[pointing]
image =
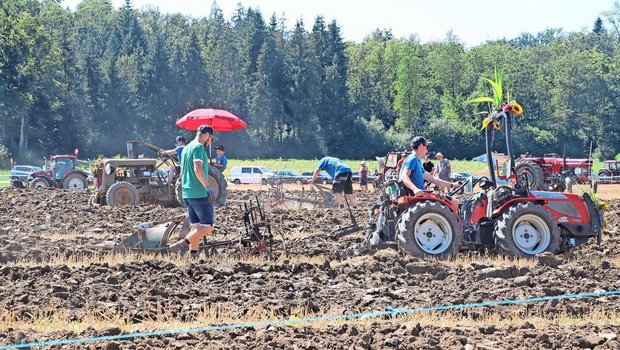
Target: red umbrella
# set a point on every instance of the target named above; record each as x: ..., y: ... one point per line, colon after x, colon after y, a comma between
x: 218, y: 119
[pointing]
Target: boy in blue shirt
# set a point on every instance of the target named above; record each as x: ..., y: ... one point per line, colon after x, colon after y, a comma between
x: 220, y: 161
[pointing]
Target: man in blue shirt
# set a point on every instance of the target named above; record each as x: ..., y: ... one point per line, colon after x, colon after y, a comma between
x: 412, y: 173
x: 220, y: 161
x: 341, y: 174
x: 179, y: 144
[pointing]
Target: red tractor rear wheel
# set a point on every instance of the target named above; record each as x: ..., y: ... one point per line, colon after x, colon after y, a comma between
x: 429, y: 229
x: 532, y: 172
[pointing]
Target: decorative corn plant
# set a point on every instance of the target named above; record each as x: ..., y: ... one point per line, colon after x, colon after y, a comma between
x: 496, y: 102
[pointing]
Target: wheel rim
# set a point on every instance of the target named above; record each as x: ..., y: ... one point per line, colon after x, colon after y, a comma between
x: 76, y: 184
x: 433, y: 233
x: 40, y: 184
x: 531, y: 234
x: 124, y: 196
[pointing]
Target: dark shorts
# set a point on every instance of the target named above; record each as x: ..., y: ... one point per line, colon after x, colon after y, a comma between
x: 343, y: 183
x: 200, y: 211
x: 363, y: 181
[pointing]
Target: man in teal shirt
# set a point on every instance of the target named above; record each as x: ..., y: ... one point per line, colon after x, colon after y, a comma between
x: 196, y: 191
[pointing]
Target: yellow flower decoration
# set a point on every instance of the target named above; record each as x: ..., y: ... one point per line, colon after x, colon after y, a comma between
x: 516, y: 108
x: 494, y: 123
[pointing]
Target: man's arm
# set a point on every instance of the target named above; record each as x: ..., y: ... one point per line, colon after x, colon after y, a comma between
x: 200, y: 174
x: 437, y: 181
x: 317, y: 171
x: 409, y: 184
x: 169, y: 152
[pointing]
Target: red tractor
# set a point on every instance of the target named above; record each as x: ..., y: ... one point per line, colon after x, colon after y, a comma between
x: 60, y: 172
x: 514, y: 221
x: 610, y: 168
x: 552, y: 172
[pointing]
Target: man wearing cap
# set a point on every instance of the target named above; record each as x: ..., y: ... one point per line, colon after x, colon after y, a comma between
x: 197, y: 194
x: 413, y: 175
x: 220, y: 161
x: 444, y: 169
x: 179, y: 144
x: 341, y: 174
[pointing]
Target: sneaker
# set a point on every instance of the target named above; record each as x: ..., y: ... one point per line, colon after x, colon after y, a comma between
x: 194, y: 255
x: 178, y: 247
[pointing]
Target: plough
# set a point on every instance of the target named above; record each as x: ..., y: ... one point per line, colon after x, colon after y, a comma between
x: 257, y: 237
x: 317, y: 197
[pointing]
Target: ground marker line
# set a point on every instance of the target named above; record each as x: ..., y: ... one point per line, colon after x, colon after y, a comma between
x: 389, y: 312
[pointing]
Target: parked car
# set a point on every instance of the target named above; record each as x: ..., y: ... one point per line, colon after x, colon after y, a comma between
x: 287, y: 176
x: 323, y: 178
x: 250, y: 174
x: 20, y: 174
x: 460, y: 176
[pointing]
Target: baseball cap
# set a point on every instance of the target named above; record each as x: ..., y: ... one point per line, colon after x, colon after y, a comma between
x: 206, y: 129
x: 179, y: 139
x: 220, y: 147
x: 419, y: 140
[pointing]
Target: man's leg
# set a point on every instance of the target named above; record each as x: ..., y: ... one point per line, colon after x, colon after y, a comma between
x: 194, y: 221
x: 337, y: 191
x: 205, y: 213
x: 348, y: 191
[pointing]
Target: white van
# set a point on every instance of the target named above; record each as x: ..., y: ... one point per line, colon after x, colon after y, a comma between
x: 250, y: 174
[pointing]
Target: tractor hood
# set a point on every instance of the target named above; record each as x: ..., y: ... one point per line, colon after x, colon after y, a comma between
x: 130, y: 162
x: 41, y: 173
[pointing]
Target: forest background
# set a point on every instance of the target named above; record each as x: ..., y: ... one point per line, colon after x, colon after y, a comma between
x: 96, y: 77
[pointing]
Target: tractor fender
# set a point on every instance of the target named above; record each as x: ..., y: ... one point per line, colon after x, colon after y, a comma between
x: 497, y: 212
x: 405, y: 202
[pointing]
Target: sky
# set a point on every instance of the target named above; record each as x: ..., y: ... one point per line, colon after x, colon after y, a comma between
x: 472, y: 21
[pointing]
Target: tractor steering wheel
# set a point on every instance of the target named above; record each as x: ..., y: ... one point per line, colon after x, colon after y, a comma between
x: 458, y: 189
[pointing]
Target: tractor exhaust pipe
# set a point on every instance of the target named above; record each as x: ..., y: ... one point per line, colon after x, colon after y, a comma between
x: 489, y: 145
x: 509, y: 146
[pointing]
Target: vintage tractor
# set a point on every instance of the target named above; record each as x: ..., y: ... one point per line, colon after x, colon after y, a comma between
x: 133, y: 180
x: 512, y: 220
x: 610, y: 169
x: 59, y: 172
x: 552, y: 172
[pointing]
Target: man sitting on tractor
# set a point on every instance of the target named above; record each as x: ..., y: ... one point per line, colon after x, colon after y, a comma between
x: 412, y: 175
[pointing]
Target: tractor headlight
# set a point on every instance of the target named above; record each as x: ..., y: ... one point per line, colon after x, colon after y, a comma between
x: 109, y: 169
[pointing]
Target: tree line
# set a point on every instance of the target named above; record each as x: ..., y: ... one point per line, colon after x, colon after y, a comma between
x: 96, y: 77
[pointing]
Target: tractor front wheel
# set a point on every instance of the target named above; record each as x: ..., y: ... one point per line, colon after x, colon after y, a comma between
x: 39, y: 182
x: 525, y: 230
x: 122, y: 193
x: 429, y: 229
x: 75, y: 181
x: 532, y: 172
